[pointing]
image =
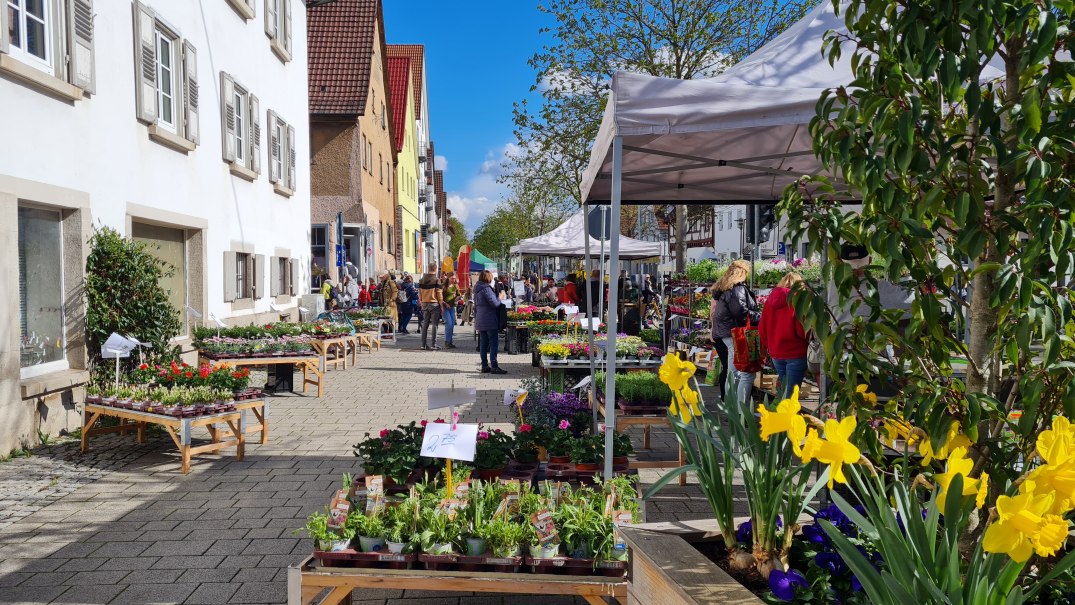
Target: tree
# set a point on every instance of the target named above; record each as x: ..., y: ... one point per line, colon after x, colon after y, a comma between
x: 459, y: 236
x: 592, y: 39
x: 957, y: 135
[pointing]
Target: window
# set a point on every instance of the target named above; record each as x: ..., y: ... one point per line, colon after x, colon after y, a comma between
x: 281, y: 154
x: 241, y: 128
x: 720, y: 222
x: 278, y: 27
x: 384, y: 122
x: 380, y: 238
x: 362, y: 152
x: 242, y: 279
x: 282, y: 276
x: 166, y: 83
x: 390, y: 248
x: 388, y: 169
x: 318, y: 255
x: 369, y: 154
x: 380, y: 164
x: 169, y: 245
x: 41, y: 317
x: 29, y: 31
x: 53, y: 37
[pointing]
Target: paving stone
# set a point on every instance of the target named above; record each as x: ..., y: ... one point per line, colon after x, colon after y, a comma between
x: 188, y: 562
x: 212, y: 593
x: 128, y: 563
x: 140, y: 594
x: 260, y: 592
x: 89, y: 578
x: 93, y: 593
x: 176, y: 547
x: 8, y: 580
x: 202, y: 576
x: 121, y: 549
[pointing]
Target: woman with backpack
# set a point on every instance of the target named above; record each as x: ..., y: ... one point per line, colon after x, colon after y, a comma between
x: 784, y: 337
x: 733, y: 307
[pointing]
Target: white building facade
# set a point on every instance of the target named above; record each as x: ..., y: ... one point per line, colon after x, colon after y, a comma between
x: 176, y: 123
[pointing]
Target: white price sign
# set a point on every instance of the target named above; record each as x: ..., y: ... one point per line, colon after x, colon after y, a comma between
x: 442, y: 441
x: 450, y: 397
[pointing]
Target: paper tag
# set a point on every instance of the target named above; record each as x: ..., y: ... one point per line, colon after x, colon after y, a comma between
x: 519, y: 288
x: 339, y: 509
x: 623, y: 517
x: 440, y: 441
x: 571, y: 309
x: 585, y: 382
x: 461, y: 490
x: 545, y: 527
x: 513, y: 396
x: 508, y: 506
x: 374, y: 495
x: 450, y: 507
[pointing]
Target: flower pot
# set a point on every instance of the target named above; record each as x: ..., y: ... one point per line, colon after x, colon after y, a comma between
x: 396, y: 548
x: 587, y: 467
x: 619, y: 553
x: 334, y: 545
x: 441, y: 549
x: 490, y: 474
x: 369, y: 544
x: 536, y: 552
x: 476, y: 547
x: 559, y: 459
x: 550, y: 551
x: 508, y: 552
x: 582, y: 551
x: 93, y: 399
x: 620, y: 463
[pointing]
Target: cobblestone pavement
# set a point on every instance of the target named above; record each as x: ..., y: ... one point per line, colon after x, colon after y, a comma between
x: 122, y: 525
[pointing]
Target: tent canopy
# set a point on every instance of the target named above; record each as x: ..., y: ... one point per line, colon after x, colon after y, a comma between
x: 569, y: 239
x: 740, y: 137
x: 479, y: 260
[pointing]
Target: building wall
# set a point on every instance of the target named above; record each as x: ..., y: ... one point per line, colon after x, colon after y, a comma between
x: 378, y: 194
x: 407, y: 177
x: 92, y: 160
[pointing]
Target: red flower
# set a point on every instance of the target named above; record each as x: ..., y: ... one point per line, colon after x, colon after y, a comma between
x: 188, y: 374
x: 439, y: 421
x: 483, y: 435
x: 204, y: 371
x: 425, y: 422
x: 384, y: 433
x: 143, y: 367
x: 525, y: 428
x: 237, y: 375
x: 496, y: 430
x: 186, y: 365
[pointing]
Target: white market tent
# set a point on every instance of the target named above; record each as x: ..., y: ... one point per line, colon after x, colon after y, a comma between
x: 569, y: 239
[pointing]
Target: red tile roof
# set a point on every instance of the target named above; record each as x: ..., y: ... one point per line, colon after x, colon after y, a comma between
x: 399, y: 69
x: 340, y: 37
x: 417, y: 54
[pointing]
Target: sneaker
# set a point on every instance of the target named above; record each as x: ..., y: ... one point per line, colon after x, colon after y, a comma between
x: 485, y: 370
x: 498, y: 371
x: 450, y: 345
x: 425, y: 348
x: 436, y: 348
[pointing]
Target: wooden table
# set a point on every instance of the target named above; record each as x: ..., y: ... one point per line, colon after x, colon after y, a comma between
x: 338, y: 347
x: 180, y: 429
x: 310, y: 364
x: 307, y: 581
x: 368, y: 340
x: 624, y: 421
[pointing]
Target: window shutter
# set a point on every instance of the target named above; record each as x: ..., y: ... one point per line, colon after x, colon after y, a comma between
x: 254, y: 119
x: 4, y: 16
x: 145, y: 61
x: 274, y: 147
x: 190, y: 92
x: 289, y: 165
x: 253, y: 9
x: 287, y: 25
x: 80, y: 41
x: 293, y: 276
x: 257, y: 289
x: 274, y: 276
x: 227, y: 114
x: 271, y: 18
x: 229, y: 276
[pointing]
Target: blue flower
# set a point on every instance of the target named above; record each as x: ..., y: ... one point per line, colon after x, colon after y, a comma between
x: 745, y: 532
x: 816, y: 535
x: 855, y: 584
x: 831, y: 562
x: 783, y: 584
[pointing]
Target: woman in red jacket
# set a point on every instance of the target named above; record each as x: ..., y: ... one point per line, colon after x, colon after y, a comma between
x: 783, y: 336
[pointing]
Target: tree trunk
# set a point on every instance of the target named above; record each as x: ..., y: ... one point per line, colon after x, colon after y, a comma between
x: 681, y: 238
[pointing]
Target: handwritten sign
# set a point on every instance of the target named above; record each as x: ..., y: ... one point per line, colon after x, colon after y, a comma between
x: 440, y: 441
x: 571, y: 309
x: 448, y: 397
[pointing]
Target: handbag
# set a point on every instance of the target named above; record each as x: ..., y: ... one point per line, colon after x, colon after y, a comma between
x: 501, y: 317
x: 815, y: 355
x: 749, y: 354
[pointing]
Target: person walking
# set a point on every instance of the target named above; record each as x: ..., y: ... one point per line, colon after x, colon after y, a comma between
x: 733, y: 306
x: 408, y: 299
x: 487, y: 322
x: 388, y: 292
x: 431, y: 297
x: 451, y: 298
x: 782, y: 334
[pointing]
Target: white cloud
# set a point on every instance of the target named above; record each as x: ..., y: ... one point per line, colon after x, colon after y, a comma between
x: 482, y: 192
x: 440, y: 163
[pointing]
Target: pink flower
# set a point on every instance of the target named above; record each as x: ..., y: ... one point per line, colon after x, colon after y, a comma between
x: 439, y: 421
x: 601, y: 427
x: 425, y: 422
x: 384, y: 433
x: 564, y: 425
x: 525, y: 428
x: 496, y: 430
x: 483, y: 435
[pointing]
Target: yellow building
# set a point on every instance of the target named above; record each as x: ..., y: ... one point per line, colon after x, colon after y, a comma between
x: 405, y: 132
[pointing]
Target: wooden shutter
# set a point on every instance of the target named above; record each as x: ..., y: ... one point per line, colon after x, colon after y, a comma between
x: 229, y: 277
x: 4, y: 16
x: 289, y: 164
x: 287, y: 25
x: 274, y: 276
x: 190, y: 93
x: 274, y: 148
x: 145, y: 63
x: 254, y: 120
x: 80, y: 41
x: 257, y: 285
x: 272, y: 17
x: 293, y: 275
x: 227, y: 116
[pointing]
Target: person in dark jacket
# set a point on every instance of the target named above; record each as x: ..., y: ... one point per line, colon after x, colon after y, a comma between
x: 783, y: 336
x: 733, y: 305
x: 593, y: 294
x: 487, y: 323
x: 406, y: 309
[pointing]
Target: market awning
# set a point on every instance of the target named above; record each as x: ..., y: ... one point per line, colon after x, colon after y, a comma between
x: 569, y: 239
x: 479, y: 260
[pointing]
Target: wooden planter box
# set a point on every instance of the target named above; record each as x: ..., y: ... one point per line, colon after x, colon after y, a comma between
x: 665, y: 568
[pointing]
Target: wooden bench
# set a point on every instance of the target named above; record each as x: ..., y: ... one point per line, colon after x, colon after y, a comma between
x: 335, y: 351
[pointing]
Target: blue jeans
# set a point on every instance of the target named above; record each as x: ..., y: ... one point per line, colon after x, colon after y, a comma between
x: 789, y: 374
x: 449, y: 323
x: 743, y: 381
x: 406, y: 311
x: 488, y: 342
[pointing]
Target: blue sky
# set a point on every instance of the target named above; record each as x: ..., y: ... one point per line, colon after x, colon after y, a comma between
x: 476, y: 53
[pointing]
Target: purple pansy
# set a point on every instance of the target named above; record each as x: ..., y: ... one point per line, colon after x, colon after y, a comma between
x: 831, y: 562
x: 783, y: 584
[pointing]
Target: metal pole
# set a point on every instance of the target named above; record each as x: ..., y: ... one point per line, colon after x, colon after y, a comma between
x: 613, y: 298
x: 589, y: 325
x: 822, y: 379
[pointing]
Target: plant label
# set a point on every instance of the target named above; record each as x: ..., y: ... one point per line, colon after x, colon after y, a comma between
x: 339, y: 508
x: 508, y: 506
x: 461, y: 490
x: 545, y: 527
x: 374, y: 495
x: 441, y: 441
x: 449, y: 397
x: 516, y: 397
x: 623, y: 517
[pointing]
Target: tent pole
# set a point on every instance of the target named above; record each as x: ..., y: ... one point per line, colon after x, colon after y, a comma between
x: 589, y: 325
x: 613, y: 301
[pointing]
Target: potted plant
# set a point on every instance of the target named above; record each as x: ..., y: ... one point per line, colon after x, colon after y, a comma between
x: 491, y: 455
x: 587, y: 452
x: 505, y: 537
x: 439, y: 532
x: 552, y: 351
x: 621, y: 449
x: 525, y: 452
x: 393, y: 453
x: 580, y: 526
x: 370, y: 531
x: 559, y: 444
x: 400, y: 523
x: 93, y: 393
x: 325, y: 538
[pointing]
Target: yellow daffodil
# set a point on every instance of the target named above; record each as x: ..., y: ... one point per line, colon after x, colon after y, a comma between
x: 1057, y: 444
x: 959, y: 464
x: 691, y: 398
x: 786, y: 419
x: 1025, y: 526
x: 835, y: 449
x: 952, y: 441
x: 896, y: 428
x: 675, y: 372
x: 1057, y: 480
x: 680, y: 408
x: 867, y: 397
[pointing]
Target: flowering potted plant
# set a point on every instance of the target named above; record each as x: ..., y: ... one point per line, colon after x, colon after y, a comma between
x: 559, y: 444
x: 526, y: 444
x: 588, y: 452
x: 491, y: 456
x: 392, y: 453
x: 551, y: 351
